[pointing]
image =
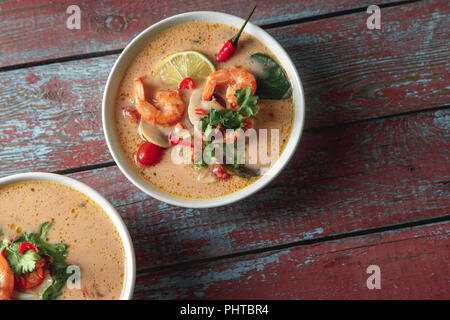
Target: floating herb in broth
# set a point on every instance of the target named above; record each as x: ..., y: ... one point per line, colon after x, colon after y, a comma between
x: 24, y: 262
x: 242, y: 171
x: 272, y: 82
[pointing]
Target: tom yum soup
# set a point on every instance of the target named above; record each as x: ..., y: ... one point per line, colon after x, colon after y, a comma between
x: 56, y: 243
x: 198, y: 121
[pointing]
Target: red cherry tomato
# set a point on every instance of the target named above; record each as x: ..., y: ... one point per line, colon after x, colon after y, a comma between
x: 219, y: 172
x: 149, y: 154
x: 186, y: 83
x: 32, y: 279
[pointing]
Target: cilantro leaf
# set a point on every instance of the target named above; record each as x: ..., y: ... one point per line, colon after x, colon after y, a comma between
x: 21, y: 263
x: 57, y: 253
x: 233, y: 119
x: 59, y: 278
x: 44, y: 230
x: 229, y: 119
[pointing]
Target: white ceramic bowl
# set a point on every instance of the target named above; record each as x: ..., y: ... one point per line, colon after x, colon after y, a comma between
x: 130, y: 264
x: 136, y: 45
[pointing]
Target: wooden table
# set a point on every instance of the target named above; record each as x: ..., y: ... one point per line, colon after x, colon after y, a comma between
x: 369, y: 184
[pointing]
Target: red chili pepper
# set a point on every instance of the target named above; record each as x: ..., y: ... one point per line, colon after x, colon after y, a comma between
x: 200, y: 112
x: 229, y: 48
x: 179, y: 141
x: 220, y: 172
x: 186, y: 84
x: 3, y: 253
x: 25, y: 246
x: 174, y: 140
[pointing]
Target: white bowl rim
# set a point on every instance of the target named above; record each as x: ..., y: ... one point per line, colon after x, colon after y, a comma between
x: 130, y: 277
x: 207, y: 16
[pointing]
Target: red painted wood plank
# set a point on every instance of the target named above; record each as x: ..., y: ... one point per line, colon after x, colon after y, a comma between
x: 352, y: 73
x: 340, y: 180
x: 413, y: 265
x: 35, y: 30
x: 51, y: 114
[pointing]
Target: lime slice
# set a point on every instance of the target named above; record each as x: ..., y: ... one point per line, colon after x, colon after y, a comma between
x: 179, y: 65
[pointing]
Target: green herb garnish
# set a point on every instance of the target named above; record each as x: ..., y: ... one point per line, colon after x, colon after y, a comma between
x: 233, y: 119
x: 227, y: 119
x: 21, y: 263
x: 24, y: 263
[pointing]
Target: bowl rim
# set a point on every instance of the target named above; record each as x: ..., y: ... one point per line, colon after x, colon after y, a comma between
x: 130, y: 277
x: 126, y: 57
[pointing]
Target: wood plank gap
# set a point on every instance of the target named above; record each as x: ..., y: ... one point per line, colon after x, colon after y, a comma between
x: 61, y: 59
x: 333, y: 237
x: 85, y: 168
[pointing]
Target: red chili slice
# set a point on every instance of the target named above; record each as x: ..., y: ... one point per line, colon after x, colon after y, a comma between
x: 220, y: 172
x: 174, y: 140
x: 200, y: 112
x: 26, y: 246
x: 186, y: 84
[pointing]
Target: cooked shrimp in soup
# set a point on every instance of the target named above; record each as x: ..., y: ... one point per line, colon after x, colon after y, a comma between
x: 189, y: 106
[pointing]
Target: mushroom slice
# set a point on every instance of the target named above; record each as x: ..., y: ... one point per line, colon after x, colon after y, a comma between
x: 153, y: 134
x: 196, y: 102
x: 204, y: 175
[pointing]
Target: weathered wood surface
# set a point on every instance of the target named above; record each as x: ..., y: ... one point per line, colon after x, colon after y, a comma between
x: 344, y: 177
x: 352, y: 73
x: 413, y: 264
x: 51, y: 114
x: 36, y: 30
x: 362, y: 176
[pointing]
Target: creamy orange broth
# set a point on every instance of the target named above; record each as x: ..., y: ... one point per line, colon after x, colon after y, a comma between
x: 93, y: 242
x: 206, y: 38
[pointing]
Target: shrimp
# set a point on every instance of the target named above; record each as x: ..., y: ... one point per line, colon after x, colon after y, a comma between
x: 169, y: 108
x: 235, y: 79
x: 6, y: 279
